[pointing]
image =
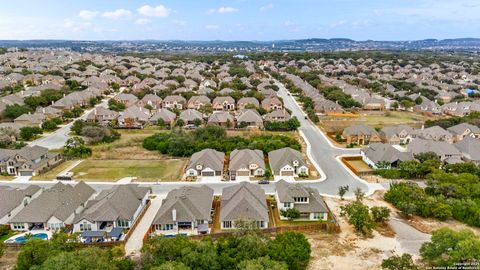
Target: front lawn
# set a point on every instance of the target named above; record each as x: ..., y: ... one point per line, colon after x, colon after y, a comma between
x: 285, y: 223
x: 144, y: 170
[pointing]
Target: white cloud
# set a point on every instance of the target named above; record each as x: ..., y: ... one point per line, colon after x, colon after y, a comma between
x: 211, y: 27
x: 75, y: 26
x: 142, y: 21
x: 117, y: 14
x: 87, y: 14
x: 266, y: 7
x: 223, y: 10
x: 158, y: 11
x: 179, y: 22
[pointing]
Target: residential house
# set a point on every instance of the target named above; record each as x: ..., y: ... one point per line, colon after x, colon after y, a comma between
x: 223, y: 104
x: 102, y: 115
x: 134, y: 117
x: 28, y: 161
x: 246, y: 162
x: 221, y: 118
x: 13, y: 200
x: 470, y: 149
x: 399, y: 134
x: 361, y: 134
x: 152, y: 101
x: 435, y: 133
x: 277, y: 116
x: 54, y: 209
x: 30, y: 119
x: 197, y: 102
x: 384, y: 155
x: 287, y: 162
x: 247, y: 103
x: 272, y: 103
x: 126, y: 99
x: 444, y: 150
x: 49, y: 112
x: 166, y: 115
x: 249, y: 119
x: 185, y: 210
x: 119, y: 207
x: 306, y: 200
x: 463, y: 130
x: 207, y: 162
x: 244, y: 201
x: 190, y: 116
x: 174, y: 102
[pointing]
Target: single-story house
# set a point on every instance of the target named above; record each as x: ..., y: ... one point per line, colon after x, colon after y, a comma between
x: 383, y: 153
x: 207, y: 162
x: 287, y: 162
x: 361, y: 134
x: 246, y: 162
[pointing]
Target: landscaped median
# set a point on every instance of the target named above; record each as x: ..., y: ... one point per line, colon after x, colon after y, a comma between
x: 142, y: 170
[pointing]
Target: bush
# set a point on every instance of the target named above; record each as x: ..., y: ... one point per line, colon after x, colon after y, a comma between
x: 291, y: 213
x: 358, y: 215
x: 14, y: 111
x: 75, y: 147
x: 28, y: 133
x: 380, y: 214
x: 403, y: 262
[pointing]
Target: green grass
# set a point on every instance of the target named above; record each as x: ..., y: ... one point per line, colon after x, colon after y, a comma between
x: 6, y: 236
x: 144, y: 170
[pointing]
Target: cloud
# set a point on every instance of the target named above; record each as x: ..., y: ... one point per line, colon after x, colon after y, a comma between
x: 142, y: 21
x: 337, y: 24
x: 267, y: 7
x: 75, y: 26
x: 87, y: 14
x: 211, y: 27
x: 223, y: 10
x: 179, y: 22
x: 117, y: 14
x: 158, y: 11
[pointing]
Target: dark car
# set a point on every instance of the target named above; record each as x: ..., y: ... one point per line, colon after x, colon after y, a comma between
x: 263, y: 182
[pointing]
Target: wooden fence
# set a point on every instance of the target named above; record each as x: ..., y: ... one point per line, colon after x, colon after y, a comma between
x: 345, y: 160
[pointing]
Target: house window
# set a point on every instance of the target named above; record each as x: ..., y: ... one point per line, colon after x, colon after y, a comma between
x: 316, y: 215
x: 18, y: 226
x: 260, y: 224
x: 55, y: 226
x: 167, y: 227
x: 191, y: 173
x: 286, y: 205
x: 123, y: 223
x: 85, y: 227
x: 300, y: 199
x: 227, y: 224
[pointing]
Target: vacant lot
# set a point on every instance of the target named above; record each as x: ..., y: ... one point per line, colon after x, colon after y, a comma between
x: 333, y: 124
x: 143, y: 170
x: 359, y: 166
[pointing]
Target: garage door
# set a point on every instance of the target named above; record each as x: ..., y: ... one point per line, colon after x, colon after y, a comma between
x: 26, y: 173
x: 208, y: 173
x: 243, y: 173
x: 287, y: 173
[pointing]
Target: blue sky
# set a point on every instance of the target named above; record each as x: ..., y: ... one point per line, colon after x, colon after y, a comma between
x: 239, y: 19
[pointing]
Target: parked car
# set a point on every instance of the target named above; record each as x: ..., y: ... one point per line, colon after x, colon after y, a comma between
x: 191, y: 126
x: 263, y: 182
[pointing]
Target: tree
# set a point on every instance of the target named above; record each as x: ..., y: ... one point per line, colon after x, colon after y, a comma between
x: 14, y: 111
x: 422, y: 157
x: 359, y: 194
x: 290, y: 213
x: 380, y: 214
x: 75, y: 147
x: 403, y: 262
x: 174, y: 265
x: 342, y: 190
x: 33, y: 253
x: 180, y: 123
x: 161, y: 123
x: 197, y: 122
x: 262, y: 263
x: 115, y: 105
x: 292, y: 248
x: 48, y: 125
x: 448, y: 247
x: 358, y: 215
x: 28, y: 133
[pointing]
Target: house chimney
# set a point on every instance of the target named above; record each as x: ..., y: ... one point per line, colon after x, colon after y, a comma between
x: 174, y: 215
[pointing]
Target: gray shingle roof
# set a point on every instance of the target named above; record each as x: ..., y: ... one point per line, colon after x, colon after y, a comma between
x: 190, y: 204
x: 285, y: 156
x: 244, y: 201
x: 243, y: 158
x: 286, y: 193
x: 461, y: 128
x: 470, y: 148
x: 59, y: 201
x: 378, y: 152
x: 359, y: 130
x: 208, y: 158
x: 12, y: 198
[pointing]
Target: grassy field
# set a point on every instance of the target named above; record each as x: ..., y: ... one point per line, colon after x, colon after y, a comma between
x: 144, y: 170
x: 6, y: 178
x: 52, y: 174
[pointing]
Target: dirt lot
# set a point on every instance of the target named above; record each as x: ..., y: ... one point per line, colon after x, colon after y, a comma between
x: 9, y: 259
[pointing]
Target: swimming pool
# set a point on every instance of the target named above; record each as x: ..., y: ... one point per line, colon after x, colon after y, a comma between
x: 22, y: 239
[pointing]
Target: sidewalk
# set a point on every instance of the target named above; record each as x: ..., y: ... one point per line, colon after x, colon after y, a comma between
x: 135, y: 242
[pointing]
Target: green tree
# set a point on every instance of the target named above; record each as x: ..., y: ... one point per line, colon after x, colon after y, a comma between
x: 28, y: 133
x: 357, y: 214
x: 403, y: 262
x: 33, y: 253
x: 380, y: 214
x: 14, y: 111
x: 161, y: 123
x: 180, y: 123
x: 290, y: 213
x: 292, y: 248
x: 197, y: 122
x: 115, y: 105
x: 75, y: 147
x: 448, y: 247
x: 174, y: 265
x: 262, y: 263
x: 342, y: 190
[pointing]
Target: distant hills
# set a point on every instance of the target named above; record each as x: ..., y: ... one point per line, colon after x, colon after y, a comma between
x: 312, y: 44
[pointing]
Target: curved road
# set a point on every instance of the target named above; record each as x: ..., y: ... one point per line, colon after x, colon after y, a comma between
x: 320, y: 150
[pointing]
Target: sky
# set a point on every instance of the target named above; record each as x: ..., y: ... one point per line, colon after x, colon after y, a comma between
x: 239, y: 19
